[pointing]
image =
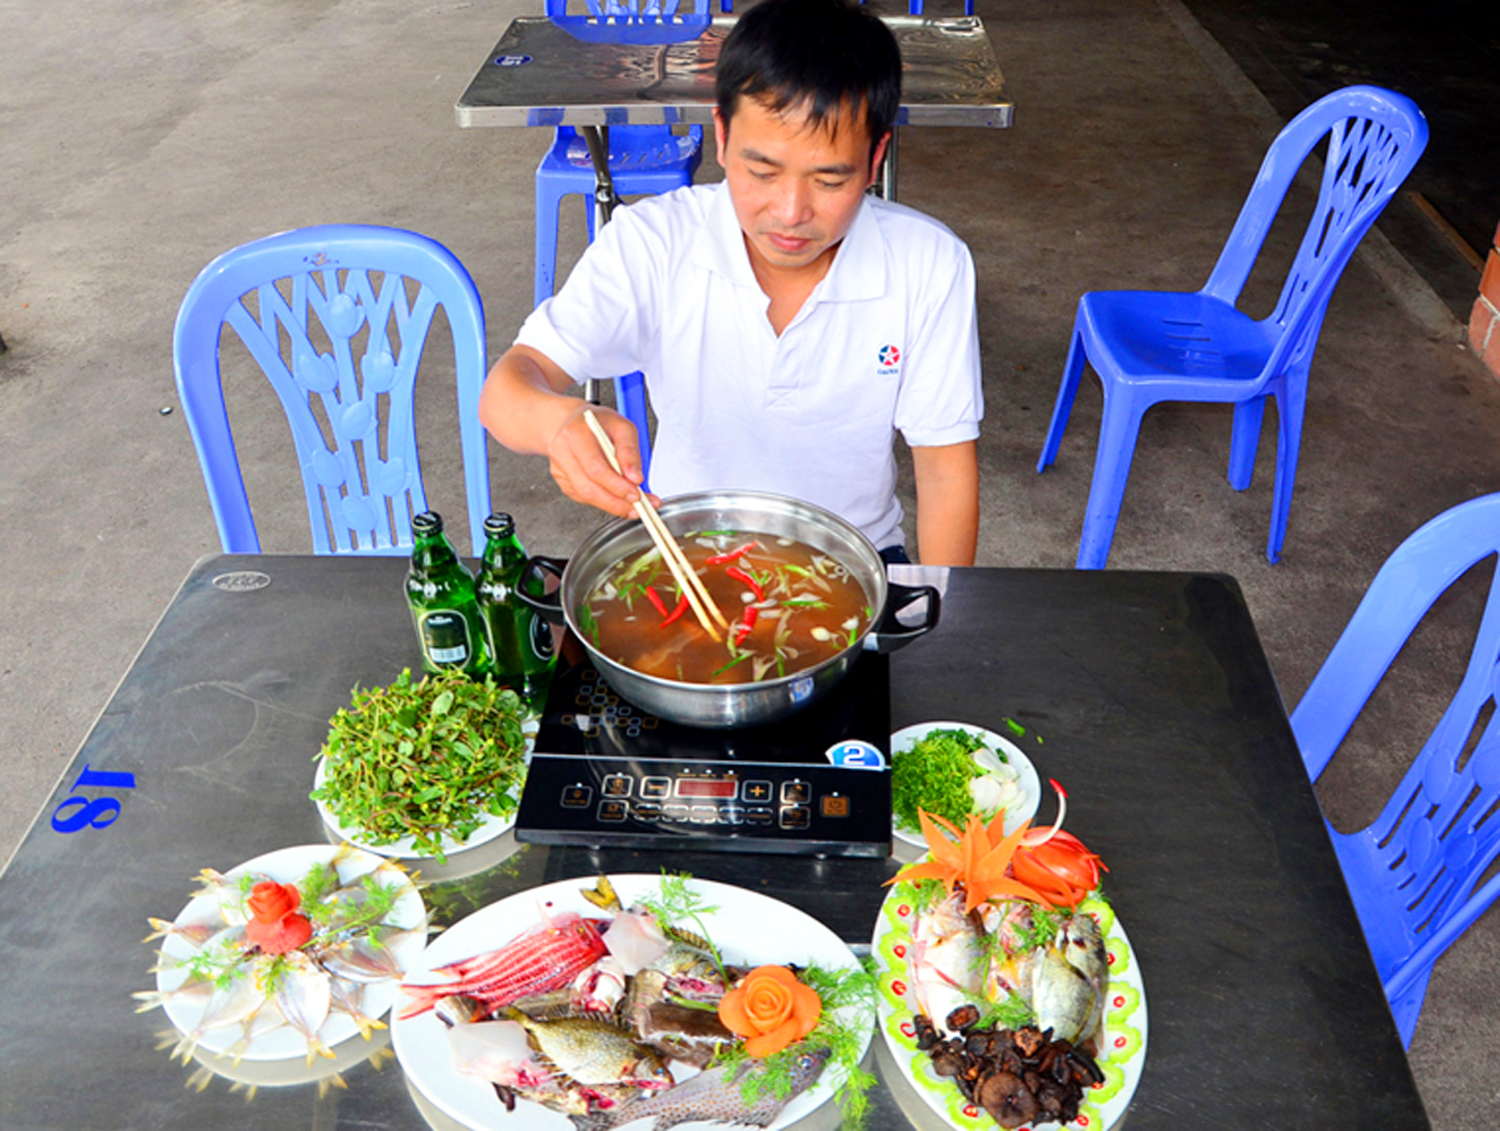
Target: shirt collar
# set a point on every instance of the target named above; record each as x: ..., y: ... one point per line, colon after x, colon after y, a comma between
x: 858, y: 270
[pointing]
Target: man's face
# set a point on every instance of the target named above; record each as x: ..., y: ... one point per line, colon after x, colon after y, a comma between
x: 796, y: 188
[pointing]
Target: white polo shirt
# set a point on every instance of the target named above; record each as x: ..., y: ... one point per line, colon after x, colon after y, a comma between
x: 886, y: 341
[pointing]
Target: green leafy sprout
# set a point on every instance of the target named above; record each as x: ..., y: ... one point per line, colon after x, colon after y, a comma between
x: 425, y: 759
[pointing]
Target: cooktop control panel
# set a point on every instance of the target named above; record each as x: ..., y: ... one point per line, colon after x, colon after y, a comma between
x: 799, y: 809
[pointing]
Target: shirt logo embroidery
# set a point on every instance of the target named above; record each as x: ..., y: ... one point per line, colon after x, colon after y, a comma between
x: 889, y: 355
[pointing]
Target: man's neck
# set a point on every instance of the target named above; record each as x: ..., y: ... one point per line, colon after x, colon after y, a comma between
x: 788, y: 287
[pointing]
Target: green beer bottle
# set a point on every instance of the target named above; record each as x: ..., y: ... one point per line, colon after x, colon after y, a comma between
x: 444, y: 605
x: 520, y: 639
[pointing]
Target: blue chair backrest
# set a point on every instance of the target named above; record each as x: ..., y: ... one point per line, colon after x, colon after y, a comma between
x: 1375, y: 137
x: 1437, y: 835
x: 633, y: 21
x: 338, y: 345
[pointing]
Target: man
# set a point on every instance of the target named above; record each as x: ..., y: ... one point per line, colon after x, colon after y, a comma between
x: 787, y: 322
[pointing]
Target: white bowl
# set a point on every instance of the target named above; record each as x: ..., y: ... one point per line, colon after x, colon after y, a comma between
x: 1026, y: 778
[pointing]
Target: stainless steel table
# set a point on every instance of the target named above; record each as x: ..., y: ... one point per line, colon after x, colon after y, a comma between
x: 562, y: 72
x: 1151, y: 691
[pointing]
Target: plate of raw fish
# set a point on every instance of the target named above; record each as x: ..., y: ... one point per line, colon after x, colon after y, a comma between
x: 626, y: 1025
x: 345, y: 926
x: 1013, y: 974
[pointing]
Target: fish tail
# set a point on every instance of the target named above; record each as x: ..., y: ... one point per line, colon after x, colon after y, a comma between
x: 316, y: 1048
x: 603, y: 895
x: 150, y: 999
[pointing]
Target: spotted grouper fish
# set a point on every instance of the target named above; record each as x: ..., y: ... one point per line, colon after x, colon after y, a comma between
x: 714, y: 1096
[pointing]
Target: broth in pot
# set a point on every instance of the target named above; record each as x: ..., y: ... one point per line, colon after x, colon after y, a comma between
x: 789, y: 605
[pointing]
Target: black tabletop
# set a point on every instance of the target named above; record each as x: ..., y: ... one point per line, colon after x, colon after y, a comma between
x: 1146, y: 694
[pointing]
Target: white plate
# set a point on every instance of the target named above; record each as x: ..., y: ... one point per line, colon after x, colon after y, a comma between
x: 1031, y: 786
x: 1124, y: 1047
x: 748, y: 928
x: 406, y: 847
x: 288, y: 866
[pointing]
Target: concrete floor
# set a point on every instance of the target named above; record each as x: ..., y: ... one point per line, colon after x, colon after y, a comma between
x: 144, y: 138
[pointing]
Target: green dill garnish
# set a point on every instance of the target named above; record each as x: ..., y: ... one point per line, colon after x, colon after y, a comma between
x: 676, y: 900
x: 922, y: 894
x: 1012, y: 1013
x: 842, y: 990
x: 934, y: 775
x: 1044, y: 926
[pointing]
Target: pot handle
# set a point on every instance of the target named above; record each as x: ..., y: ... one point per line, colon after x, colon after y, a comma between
x: 890, y: 634
x: 530, y: 590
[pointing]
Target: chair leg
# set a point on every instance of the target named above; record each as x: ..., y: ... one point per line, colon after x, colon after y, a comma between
x: 1244, y: 441
x: 1406, y: 1007
x: 1289, y: 410
x: 1072, y: 372
x: 1117, y: 438
x: 630, y: 402
x: 544, y: 278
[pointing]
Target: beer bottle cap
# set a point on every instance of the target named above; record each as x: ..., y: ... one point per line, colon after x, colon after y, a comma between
x: 499, y: 524
x: 428, y: 522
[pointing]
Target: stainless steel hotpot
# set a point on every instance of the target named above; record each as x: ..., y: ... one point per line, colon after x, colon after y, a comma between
x: 736, y: 704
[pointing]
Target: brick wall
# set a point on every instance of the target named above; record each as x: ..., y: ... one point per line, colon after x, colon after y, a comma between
x: 1484, y: 322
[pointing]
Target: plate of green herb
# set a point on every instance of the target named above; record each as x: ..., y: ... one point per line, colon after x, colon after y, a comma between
x: 955, y: 769
x: 425, y: 767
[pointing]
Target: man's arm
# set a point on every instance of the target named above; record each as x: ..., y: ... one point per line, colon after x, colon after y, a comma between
x: 947, y: 503
x: 526, y: 405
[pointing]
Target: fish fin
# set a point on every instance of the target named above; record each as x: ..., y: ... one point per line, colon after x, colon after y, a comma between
x: 603, y: 895
x: 687, y: 938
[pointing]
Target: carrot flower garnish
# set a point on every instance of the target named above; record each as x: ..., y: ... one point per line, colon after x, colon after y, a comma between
x: 974, y: 861
x: 770, y: 1009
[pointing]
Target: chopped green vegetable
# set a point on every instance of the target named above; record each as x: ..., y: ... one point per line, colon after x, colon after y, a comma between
x: 426, y: 760
x: 934, y: 775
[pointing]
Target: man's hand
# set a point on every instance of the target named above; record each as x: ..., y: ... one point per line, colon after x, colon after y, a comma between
x: 527, y: 405
x: 581, y: 468
x: 947, y: 503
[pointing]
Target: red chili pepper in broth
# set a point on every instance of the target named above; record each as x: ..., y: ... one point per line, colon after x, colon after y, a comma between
x: 655, y: 598
x: 732, y: 555
x: 751, y: 613
x: 682, y: 604
x: 740, y: 575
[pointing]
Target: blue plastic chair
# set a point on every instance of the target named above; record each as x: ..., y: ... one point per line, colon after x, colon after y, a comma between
x: 1412, y: 872
x: 1152, y: 346
x: 340, y: 345
x: 642, y: 159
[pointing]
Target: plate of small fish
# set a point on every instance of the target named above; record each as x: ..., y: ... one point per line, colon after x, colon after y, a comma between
x: 1007, y: 991
x: 589, y: 1004
x: 289, y: 954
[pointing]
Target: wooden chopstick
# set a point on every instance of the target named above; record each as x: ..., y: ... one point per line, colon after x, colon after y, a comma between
x: 687, y: 580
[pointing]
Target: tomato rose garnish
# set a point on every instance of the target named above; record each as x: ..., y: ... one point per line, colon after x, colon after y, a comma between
x: 1060, y: 867
x: 269, y: 901
x: 770, y: 1009
x: 275, y: 926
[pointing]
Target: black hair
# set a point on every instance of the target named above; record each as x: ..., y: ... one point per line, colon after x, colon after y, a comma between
x: 822, y: 54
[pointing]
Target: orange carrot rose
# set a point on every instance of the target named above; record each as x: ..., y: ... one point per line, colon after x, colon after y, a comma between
x: 770, y: 1009
x: 275, y: 926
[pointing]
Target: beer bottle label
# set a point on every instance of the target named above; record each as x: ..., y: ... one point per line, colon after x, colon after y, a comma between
x: 445, y: 637
x: 541, y: 639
